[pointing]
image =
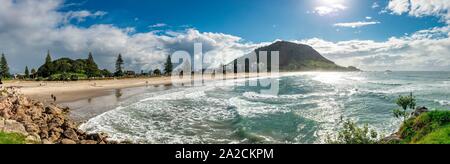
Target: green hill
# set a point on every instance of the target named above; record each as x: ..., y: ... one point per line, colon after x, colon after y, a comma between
x: 299, y: 57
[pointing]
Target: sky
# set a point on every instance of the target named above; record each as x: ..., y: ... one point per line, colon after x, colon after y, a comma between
x: 373, y: 35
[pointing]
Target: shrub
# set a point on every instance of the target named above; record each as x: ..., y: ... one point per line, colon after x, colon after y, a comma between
x: 64, y: 77
x: 352, y: 134
x: 406, y: 103
x: 74, y: 78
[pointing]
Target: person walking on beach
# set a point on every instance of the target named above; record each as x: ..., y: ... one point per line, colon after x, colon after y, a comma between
x: 1, y: 83
x: 53, y: 97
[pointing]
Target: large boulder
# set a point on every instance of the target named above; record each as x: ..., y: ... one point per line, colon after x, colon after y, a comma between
x: 54, y: 136
x: 88, y: 142
x: 392, y: 139
x: 71, y: 134
x: 51, y: 109
x: 32, y: 128
x: 419, y: 111
x: 12, y: 126
x: 68, y: 142
x: 34, y: 139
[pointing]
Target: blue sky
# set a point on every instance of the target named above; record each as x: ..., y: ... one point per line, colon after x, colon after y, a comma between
x: 369, y: 34
x: 258, y: 20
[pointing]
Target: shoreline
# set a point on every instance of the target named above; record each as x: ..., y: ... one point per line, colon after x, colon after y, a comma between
x: 71, y: 91
x: 86, y: 98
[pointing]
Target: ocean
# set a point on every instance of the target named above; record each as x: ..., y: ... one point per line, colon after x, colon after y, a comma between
x: 308, y: 108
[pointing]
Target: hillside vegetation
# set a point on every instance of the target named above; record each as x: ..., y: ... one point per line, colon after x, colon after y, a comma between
x: 420, y: 126
x: 428, y: 128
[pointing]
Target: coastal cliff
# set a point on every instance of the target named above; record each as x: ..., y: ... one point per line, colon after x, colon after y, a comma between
x: 23, y: 120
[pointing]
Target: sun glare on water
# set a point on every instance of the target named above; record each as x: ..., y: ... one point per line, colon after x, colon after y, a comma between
x: 329, y: 78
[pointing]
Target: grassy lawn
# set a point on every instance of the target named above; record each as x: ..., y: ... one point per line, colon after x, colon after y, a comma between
x: 11, y: 138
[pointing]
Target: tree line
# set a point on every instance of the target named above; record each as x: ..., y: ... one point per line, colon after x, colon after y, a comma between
x: 168, y: 68
x: 69, y: 69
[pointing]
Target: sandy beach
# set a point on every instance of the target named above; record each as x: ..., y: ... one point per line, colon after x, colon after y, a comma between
x: 77, y: 90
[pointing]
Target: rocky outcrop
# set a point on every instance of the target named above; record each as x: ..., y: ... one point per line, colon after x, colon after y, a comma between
x: 40, y: 123
x: 419, y: 111
x: 392, y: 139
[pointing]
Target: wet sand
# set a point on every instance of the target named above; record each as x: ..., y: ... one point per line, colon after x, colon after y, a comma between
x: 77, y: 90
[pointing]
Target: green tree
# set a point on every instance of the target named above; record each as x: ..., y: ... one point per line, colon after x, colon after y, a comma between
x: 106, y: 73
x: 119, y: 66
x: 48, y: 59
x: 168, y: 66
x: 91, y: 66
x: 27, y: 72
x: 4, y: 68
x: 406, y: 103
x: 47, y: 69
x: 33, y: 73
x: 157, y: 72
x: 62, y: 66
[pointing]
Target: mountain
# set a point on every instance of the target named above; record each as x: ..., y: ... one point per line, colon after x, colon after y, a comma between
x: 298, y: 57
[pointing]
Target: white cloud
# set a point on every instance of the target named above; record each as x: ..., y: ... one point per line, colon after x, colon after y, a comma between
x: 356, y: 24
x: 329, y: 9
x: 158, y: 25
x: 368, y: 18
x: 419, y: 8
x: 399, y: 6
x: 375, y: 5
x: 28, y: 28
x: 423, y: 50
x: 81, y: 16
